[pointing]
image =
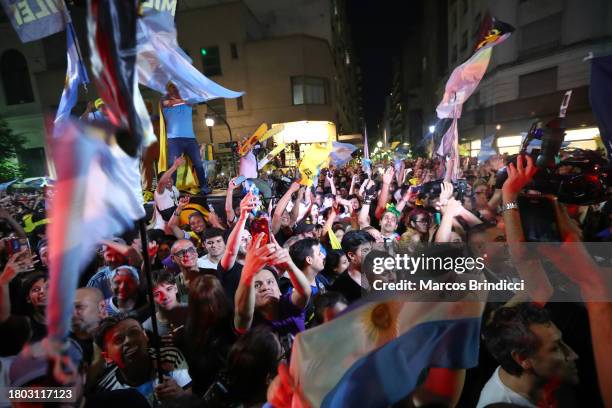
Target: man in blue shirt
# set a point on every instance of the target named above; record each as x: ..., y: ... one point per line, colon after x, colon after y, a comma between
x: 179, y: 132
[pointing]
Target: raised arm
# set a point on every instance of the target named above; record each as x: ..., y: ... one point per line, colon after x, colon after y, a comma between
x: 330, y: 177
x: 301, y: 294
x: 244, y: 302
x: 280, y: 207
x: 14, y: 265
x: 370, y: 194
x: 384, y: 192
x: 173, y: 223
x: 230, y: 216
x: 161, y: 184
x: 353, y: 184
x: 528, y: 268
x: 295, y: 211
x: 247, y: 204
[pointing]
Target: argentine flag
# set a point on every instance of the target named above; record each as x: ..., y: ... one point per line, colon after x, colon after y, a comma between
x: 76, y: 74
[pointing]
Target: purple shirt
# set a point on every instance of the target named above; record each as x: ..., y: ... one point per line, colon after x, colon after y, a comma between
x: 290, y: 318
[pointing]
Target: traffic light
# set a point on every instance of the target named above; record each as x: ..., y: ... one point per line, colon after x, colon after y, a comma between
x: 203, y: 51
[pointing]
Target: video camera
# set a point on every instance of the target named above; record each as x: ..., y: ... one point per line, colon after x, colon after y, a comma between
x: 434, y: 188
x: 580, y: 178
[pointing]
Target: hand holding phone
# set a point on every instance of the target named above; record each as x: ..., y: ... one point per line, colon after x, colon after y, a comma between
x: 261, y: 225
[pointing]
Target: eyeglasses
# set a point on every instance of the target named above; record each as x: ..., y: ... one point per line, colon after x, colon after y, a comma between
x: 422, y: 221
x: 184, y: 252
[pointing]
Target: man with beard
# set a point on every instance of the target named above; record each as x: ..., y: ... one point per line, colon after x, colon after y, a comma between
x: 230, y: 266
x: 124, y: 345
x: 534, y: 360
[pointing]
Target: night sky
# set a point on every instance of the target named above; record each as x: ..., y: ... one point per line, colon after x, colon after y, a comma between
x: 378, y: 28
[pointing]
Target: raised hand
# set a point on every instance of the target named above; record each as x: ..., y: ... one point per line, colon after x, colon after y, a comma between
x: 258, y: 256
x: 16, y: 264
x: 178, y: 162
x: 518, y: 177
x: 388, y: 175
x: 248, y: 203
x: 446, y: 193
x: 183, y: 201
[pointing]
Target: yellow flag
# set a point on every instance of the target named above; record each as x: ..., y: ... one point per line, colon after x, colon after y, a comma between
x: 315, y: 158
x: 333, y: 239
x: 248, y: 144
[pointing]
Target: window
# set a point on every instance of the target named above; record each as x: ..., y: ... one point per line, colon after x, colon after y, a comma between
x: 538, y: 83
x: 211, y: 61
x: 541, y: 35
x: 309, y: 90
x: 16, y: 78
x: 234, y: 50
x: 218, y: 107
x: 239, y: 103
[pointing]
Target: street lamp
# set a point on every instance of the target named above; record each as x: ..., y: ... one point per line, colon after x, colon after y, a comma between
x: 210, y: 122
x: 379, y: 143
x: 432, y: 129
x: 229, y: 130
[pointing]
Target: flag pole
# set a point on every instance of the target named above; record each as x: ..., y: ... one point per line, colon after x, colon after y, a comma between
x: 147, y: 269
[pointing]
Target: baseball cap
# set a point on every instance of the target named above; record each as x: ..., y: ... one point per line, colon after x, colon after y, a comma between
x: 304, y: 226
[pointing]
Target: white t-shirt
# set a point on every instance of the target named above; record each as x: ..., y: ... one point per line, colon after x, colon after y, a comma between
x: 167, y: 199
x: 495, y: 391
x: 205, y: 262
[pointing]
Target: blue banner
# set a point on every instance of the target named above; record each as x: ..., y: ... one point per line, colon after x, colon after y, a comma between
x: 601, y: 89
x: 35, y: 19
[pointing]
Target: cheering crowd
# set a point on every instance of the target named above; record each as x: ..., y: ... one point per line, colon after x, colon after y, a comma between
x: 231, y: 290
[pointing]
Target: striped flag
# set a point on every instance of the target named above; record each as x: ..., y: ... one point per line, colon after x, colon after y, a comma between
x: 341, y: 153
x: 161, y: 60
x: 94, y: 200
x: 112, y: 41
x: 76, y: 74
x: 380, y: 348
x: 466, y: 77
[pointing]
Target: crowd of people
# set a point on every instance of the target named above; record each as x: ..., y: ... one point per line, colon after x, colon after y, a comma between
x: 231, y: 289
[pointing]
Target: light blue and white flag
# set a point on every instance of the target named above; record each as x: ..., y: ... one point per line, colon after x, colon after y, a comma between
x: 161, y: 60
x: 341, y: 153
x: 486, y: 149
x: 381, y: 347
x: 76, y: 74
x: 94, y: 199
x: 35, y: 19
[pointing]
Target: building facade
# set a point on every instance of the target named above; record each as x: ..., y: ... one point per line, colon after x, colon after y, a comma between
x: 528, y: 74
x: 292, y: 58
